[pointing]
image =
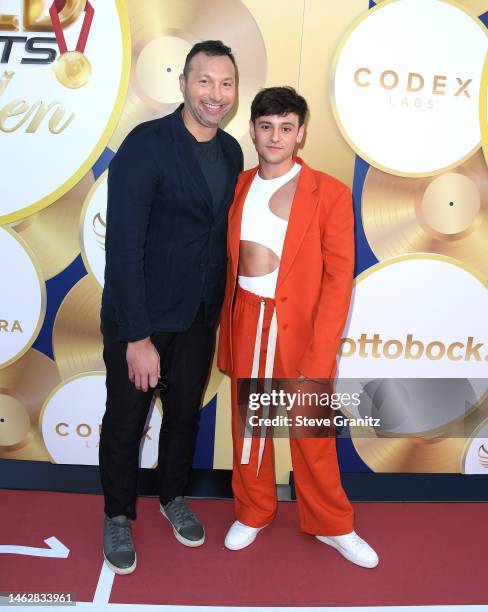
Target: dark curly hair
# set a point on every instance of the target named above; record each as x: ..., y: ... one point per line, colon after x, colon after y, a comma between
x: 279, y: 101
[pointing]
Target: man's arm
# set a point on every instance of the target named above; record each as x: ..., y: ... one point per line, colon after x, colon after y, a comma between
x: 132, y: 184
x: 319, y: 360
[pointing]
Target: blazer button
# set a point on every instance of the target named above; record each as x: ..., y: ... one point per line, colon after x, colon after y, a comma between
x: 283, y: 299
x: 284, y: 327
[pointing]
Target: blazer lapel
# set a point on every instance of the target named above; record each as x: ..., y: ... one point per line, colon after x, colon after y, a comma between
x: 302, y: 210
x: 184, y: 142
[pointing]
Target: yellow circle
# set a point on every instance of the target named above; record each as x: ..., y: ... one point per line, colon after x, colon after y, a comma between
x: 14, y: 421
x: 484, y: 108
x: 158, y: 68
x: 450, y: 204
x: 72, y: 69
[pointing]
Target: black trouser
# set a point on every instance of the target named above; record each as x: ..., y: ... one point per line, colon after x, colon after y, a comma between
x: 185, y: 363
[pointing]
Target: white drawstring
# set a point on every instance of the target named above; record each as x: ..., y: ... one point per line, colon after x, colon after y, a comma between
x: 268, y: 374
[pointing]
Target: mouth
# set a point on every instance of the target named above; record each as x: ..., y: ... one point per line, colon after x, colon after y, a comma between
x: 213, y: 109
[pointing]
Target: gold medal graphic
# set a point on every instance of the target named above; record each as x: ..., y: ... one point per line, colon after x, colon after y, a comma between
x: 72, y: 68
x: 445, y: 214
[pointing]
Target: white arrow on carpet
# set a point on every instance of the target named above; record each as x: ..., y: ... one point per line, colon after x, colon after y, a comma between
x: 56, y: 549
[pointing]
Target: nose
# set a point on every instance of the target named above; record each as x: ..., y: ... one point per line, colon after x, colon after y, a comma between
x: 275, y: 134
x: 216, y: 93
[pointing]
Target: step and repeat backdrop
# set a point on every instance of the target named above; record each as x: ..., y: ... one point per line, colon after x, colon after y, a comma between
x: 397, y: 94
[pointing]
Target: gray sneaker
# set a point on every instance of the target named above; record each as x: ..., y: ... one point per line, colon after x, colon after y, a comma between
x: 187, y: 528
x: 118, y: 547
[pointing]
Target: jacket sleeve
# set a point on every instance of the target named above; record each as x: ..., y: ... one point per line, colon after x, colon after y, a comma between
x: 132, y: 185
x: 319, y: 360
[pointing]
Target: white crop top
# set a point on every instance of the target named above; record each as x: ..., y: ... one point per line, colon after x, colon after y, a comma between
x: 259, y: 224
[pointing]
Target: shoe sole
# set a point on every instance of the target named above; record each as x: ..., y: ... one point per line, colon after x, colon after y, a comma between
x: 241, y: 546
x: 179, y: 537
x: 118, y: 570
x: 346, y: 555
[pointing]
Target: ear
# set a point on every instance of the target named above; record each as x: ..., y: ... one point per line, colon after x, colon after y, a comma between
x: 182, y: 83
x: 300, y: 133
x: 251, y: 130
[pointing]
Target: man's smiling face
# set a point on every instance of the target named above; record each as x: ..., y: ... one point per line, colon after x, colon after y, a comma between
x: 209, y: 89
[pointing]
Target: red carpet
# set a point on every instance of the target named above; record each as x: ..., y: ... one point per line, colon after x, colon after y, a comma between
x: 430, y: 554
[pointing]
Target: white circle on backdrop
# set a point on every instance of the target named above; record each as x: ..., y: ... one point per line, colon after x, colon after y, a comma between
x: 162, y: 83
x: 92, y: 229
x: 71, y: 419
x: 39, y: 165
x: 23, y: 298
x: 411, y: 133
x: 475, y: 454
x: 419, y: 316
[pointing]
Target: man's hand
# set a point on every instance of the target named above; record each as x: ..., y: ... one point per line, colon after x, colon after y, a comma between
x: 143, y: 363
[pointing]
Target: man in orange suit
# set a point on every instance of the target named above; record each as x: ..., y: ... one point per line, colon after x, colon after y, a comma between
x: 289, y: 282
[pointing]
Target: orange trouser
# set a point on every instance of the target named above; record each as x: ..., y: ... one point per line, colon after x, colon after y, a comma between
x: 323, y: 506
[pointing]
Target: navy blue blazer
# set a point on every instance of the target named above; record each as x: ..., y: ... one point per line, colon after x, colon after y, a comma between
x: 165, y: 245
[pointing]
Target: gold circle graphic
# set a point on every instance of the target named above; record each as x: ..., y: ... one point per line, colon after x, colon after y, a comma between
x: 42, y: 288
x: 446, y: 214
x: 14, y: 421
x: 23, y: 387
x: 77, y: 341
x: 347, y: 35
x: 52, y: 232
x: 484, y: 108
x: 87, y: 164
x: 440, y: 452
x: 440, y: 449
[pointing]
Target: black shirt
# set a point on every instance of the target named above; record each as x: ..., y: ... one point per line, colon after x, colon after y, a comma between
x: 215, y: 169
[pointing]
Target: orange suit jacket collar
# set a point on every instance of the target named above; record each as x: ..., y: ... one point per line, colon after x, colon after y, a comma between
x: 302, y: 210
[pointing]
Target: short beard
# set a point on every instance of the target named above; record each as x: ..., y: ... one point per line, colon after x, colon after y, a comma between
x: 198, y: 118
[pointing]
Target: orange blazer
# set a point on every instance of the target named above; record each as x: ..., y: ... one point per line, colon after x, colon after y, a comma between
x: 315, y: 278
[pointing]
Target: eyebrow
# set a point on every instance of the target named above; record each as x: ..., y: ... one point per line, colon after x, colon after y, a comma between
x: 208, y: 76
x: 288, y: 123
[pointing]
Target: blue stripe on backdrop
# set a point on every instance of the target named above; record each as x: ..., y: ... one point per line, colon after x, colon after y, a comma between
x: 58, y: 286
x: 365, y: 258
x: 56, y: 290
x: 349, y: 460
x: 204, y: 449
x: 102, y: 162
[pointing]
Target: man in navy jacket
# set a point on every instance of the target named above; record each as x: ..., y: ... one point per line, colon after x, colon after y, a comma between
x: 170, y: 186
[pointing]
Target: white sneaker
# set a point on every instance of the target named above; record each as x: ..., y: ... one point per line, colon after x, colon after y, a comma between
x: 353, y: 548
x: 240, y: 535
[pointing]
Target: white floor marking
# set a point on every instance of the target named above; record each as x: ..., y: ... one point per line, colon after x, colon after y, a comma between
x: 56, y: 549
x: 104, y: 586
